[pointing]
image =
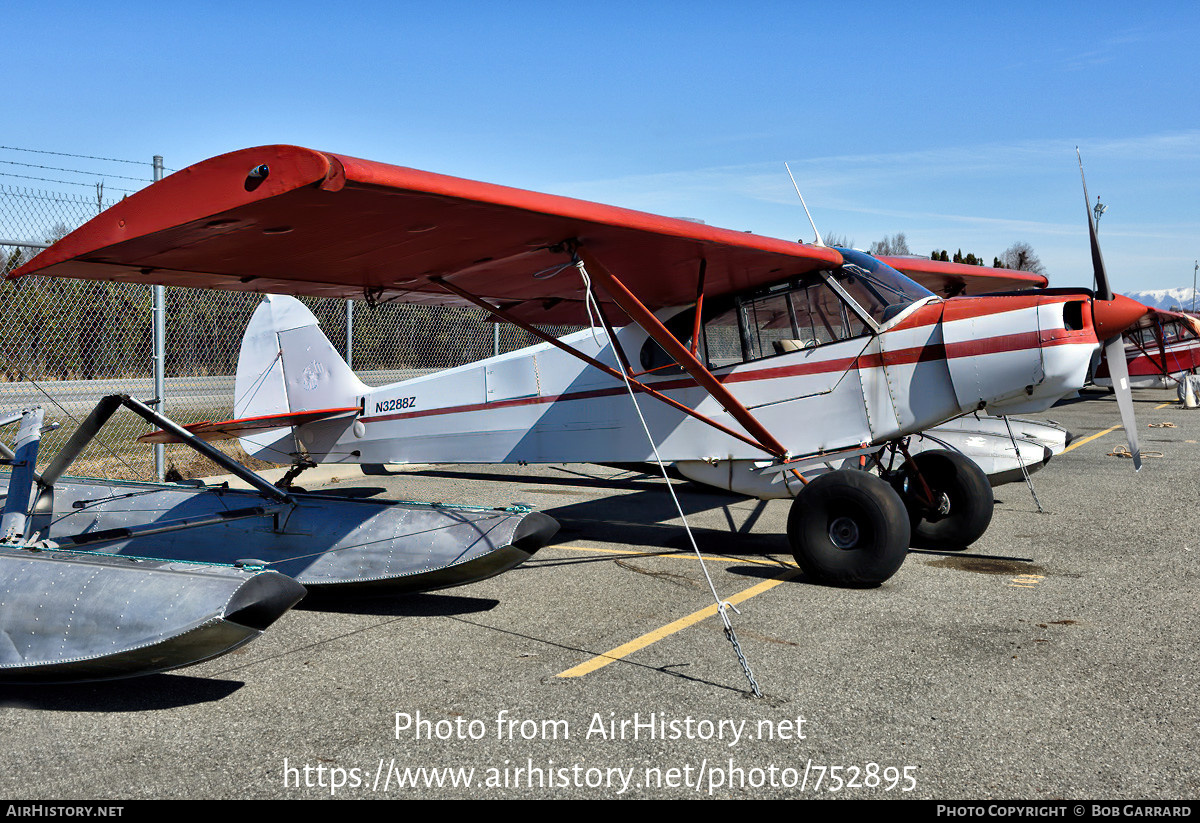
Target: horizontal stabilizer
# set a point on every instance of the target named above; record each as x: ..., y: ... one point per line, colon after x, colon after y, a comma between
x: 230, y: 429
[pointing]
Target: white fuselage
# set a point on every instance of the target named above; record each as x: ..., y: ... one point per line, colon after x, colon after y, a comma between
x: 541, y: 404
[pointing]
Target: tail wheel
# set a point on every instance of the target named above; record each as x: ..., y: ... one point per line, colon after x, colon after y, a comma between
x: 848, y: 528
x: 962, y: 503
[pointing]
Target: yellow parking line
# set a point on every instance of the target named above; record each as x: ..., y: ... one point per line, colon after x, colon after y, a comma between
x: 1092, y: 437
x: 600, y: 661
x: 1089, y: 439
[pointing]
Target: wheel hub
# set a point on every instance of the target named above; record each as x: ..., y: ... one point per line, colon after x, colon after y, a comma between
x: 843, y: 531
x: 941, y: 500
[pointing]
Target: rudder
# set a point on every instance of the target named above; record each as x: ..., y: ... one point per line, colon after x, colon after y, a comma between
x: 287, y: 364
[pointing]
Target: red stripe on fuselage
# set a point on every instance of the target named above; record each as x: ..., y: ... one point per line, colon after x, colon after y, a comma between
x: 901, y: 357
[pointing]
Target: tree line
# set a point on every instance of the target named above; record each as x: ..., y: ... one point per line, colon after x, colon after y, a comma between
x: 63, y: 329
x: 1020, y: 256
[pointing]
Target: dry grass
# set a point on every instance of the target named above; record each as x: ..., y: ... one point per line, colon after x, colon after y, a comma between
x: 138, y: 463
x: 189, y: 464
x: 115, y: 453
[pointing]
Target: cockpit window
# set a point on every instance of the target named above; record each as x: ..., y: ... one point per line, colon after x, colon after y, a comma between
x: 791, y: 316
x: 798, y: 314
x: 806, y: 314
x: 879, y: 289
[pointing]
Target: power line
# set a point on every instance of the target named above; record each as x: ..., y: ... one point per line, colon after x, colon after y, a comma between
x: 82, y: 156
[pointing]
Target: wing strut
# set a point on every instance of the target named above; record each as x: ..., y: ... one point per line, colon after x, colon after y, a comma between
x: 687, y: 361
x: 1162, y: 349
x: 776, y: 449
x: 1160, y: 337
x: 700, y: 306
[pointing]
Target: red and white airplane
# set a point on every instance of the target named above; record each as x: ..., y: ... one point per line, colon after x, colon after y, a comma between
x: 1160, y: 349
x: 767, y: 358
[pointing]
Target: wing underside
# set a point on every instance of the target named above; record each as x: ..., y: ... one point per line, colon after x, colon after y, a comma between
x: 284, y: 219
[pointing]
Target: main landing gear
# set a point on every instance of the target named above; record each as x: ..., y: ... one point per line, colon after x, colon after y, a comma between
x: 848, y: 528
x: 948, y: 497
x: 853, y: 528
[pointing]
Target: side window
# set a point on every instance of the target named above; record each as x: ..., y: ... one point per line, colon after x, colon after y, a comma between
x: 803, y: 315
x: 722, y: 338
x: 823, y: 317
x: 808, y: 315
x: 770, y: 321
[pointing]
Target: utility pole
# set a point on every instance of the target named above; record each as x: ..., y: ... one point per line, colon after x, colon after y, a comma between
x: 1195, y: 268
x: 159, y: 319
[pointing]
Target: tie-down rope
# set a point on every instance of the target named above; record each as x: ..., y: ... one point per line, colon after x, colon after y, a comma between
x: 722, y: 605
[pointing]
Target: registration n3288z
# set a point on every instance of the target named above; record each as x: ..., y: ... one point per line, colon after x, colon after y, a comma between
x: 396, y: 404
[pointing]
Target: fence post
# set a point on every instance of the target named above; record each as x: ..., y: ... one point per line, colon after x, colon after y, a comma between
x: 159, y: 318
x: 350, y: 333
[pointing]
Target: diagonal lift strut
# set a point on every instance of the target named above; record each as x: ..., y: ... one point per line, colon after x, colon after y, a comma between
x: 641, y: 315
x: 500, y: 313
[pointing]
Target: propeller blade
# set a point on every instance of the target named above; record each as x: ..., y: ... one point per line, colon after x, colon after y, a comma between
x: 1118, y: 369
x: 1103, y: 289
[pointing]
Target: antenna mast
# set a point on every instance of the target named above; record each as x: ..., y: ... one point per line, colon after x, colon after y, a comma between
x: 816, y: 233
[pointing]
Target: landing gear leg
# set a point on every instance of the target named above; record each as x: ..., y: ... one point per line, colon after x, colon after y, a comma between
x: 948, y: 498
x: 298, y: 466
x: 848, y: 528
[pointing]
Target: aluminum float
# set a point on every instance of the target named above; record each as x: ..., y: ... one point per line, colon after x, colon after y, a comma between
x: 67, y: 616
x: 104, y: 579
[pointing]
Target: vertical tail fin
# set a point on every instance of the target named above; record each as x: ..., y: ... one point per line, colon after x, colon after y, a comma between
x: 287, y: 364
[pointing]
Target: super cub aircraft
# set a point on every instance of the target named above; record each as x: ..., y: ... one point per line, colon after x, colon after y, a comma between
x: 771, y: 359
x: 1160, y: 350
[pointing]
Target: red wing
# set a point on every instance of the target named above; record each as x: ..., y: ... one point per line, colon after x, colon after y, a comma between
x: 332, y: 226
x: 229, y: 429
x: 954, y: 279
x: 1154, y: 317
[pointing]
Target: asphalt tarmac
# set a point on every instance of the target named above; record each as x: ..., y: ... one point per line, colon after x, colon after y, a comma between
x: 1056, y: 658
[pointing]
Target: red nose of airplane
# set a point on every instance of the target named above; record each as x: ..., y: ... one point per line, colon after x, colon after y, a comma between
x: 1111, y: 317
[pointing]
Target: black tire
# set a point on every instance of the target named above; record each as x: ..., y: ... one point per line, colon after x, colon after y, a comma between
x: 848, y: 528
x: 963, y: 494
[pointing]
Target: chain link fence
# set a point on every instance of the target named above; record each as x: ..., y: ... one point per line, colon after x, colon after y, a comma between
x: 66, y: 343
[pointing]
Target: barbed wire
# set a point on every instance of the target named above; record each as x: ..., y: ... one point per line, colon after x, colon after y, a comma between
x: 77, y: 171
x: 82, y: 156
x: 64, y: 182
x: 12, y: 190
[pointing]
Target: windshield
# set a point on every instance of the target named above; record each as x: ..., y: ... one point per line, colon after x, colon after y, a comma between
x: 881, y: 290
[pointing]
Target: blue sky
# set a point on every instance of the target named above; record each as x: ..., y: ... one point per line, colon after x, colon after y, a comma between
x: 953, y: 125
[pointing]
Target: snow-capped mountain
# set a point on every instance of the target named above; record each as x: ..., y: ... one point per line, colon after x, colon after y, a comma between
x: 1165, y: 298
